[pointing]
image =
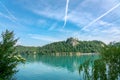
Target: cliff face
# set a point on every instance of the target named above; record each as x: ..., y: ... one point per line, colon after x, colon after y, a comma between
x: 72, y: 41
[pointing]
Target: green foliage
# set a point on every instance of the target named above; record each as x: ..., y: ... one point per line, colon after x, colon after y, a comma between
x: 8, y: 57
x: 66, y: 46
x: 70, y: 45
x: 107, y: 67
x: 26, y: 49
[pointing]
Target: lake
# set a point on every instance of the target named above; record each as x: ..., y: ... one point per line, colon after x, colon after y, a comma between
x: 52, y: 67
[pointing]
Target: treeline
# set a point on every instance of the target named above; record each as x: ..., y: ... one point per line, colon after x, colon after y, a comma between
x: 82, y: 46
x: 26, y: 49
x: 70, y: 45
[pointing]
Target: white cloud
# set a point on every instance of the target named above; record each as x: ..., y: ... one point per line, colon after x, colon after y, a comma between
x: 11, y: 16
x: 51, y: 9
x: 104, y: 23
x: 5, y: 16
x: 53, y: 26
x: 88, y: 14
x: 112, y: 31
x: 42, y: 23
x: 79, y: 18
x: 79, y: 15
x: 44, y: 38
x: 57, y: 14
x: 95, y: 20
x: 65, y: 31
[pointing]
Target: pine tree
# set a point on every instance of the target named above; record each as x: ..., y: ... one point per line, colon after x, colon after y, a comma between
x: 8, y: 56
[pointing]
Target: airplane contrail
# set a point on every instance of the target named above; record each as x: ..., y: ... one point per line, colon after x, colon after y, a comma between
x: 11, y: 15
x: 101, y: 16
x: 66, y: 13
x: 1, y: 14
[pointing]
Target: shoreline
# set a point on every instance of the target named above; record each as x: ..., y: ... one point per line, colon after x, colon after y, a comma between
x: 70, y: 54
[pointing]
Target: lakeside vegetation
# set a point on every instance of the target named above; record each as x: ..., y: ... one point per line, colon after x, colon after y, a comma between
x: 26, y: 49
x: 104, y: 68
x: 71, y: 45
x: 9, y: 59
x: 107, y: 67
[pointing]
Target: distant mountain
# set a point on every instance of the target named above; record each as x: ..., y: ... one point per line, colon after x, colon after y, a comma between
x: 71, y: 45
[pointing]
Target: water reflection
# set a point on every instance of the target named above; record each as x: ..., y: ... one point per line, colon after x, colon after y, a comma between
x: 69, y: 62
x: 40, y: 67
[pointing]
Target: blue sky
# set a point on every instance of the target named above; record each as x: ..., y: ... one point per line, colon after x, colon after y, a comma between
x: 39, y: 22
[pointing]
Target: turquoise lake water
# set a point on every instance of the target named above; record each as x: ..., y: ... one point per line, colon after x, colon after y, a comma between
x: 52, y: 67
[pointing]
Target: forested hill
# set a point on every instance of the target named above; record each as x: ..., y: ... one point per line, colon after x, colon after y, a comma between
x: 70, y: 45
x: 26, y: 49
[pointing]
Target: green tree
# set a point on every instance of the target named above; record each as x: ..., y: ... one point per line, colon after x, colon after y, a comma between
x: 8, y: 56
x: 106, y: 67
